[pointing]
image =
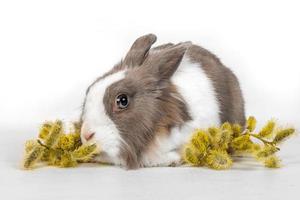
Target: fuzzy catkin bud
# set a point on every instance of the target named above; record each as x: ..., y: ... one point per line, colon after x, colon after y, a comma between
x: 219, y: 160
x: 201, y: 136
x: 85, y: 152
x: 267, y: 130
x: 33, y: 156
x: 68, y: 142
x: 251, y: 123
x: 55, y: 157
x: 55, y: 132
x: 226, y: 126
x: 272, y: 162
x: 190, y: 157
x: 29, y: 145
x: 67, y: 160
x: 237, y: 130
x: 45, y: 155
x: 241, y: 143
x: 283, y: 134
x: 225, y: 138
x: 266, y: 151
x: 45, y: 129
x: 213, y: 131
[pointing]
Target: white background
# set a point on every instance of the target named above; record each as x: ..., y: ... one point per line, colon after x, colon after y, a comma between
x: 50, y: 51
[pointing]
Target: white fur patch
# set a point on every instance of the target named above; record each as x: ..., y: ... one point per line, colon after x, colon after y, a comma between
x: 198, y: 92
x: 96, y: 120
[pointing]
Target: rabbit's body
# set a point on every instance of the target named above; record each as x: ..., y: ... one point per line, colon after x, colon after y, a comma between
x: 199, y: 93
x: 171, y: 91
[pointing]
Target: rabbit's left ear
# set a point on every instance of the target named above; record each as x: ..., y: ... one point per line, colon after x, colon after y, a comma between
x: 139, y: 49
x: 164, y: 63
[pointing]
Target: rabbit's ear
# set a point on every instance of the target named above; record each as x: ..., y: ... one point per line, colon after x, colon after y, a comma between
x: 164, y: 63
x: 137, y: 53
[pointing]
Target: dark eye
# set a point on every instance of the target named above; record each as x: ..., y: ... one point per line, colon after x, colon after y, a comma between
x: 122, y: 101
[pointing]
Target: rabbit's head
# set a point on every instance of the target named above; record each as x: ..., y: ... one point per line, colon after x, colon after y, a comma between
x: 125, y: 108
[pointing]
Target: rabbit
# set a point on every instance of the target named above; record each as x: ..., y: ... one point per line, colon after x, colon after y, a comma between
x: 143, y: 111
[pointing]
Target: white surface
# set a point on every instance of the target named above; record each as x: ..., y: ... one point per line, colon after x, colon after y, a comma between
x: 50, y: 51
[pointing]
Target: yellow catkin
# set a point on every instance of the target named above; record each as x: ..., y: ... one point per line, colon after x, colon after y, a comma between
x: 215, y: 137
x: 242, y: 143
x: 266, y: 151
x: 29, y: 145
x: 67, y: 160
x: 57, y: 148
x: 199, y: 151
x: 33, y: 156
x: 226, y: 126
x: 251, y: 123
x: 199, y: 146
x: 196, y: 151
x: 191, y: 157
x: 69, y: 142
x: 221, y: 136
x: 213, y: 131
x: 219, y: 160
x: 55, y: 156
x: 65, y: 142
x: 229, y: 139
x: 45, y: 129
x: 267, y: 130
x: 236, y: 130
x: 201, y: 136
x: 283, y: 134
x: 256, y: 147
x: 272, y: 162
x: 55, y: 132
x: 225, y: 138
x: 226, y: 135
x: 45, y: 155
x: 85, y: 152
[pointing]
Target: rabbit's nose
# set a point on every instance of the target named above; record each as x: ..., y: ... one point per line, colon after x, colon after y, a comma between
x: 88, y: 135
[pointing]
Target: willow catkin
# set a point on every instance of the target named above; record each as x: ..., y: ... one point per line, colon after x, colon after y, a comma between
x: 267, y: 130
x: 283, y: 134
x: 55, y: 132
x: 251, y: 123
x: 30, y: 144
x: 266, y: 151
x: 272, y: 162
x: 33, y: 156
x: 241, y: 143
x: 214, y: 146
x: 85, y: 152
x: 236, y: 130
x: 218, y: 159
x: 191, y: 157
x: 45, y: 129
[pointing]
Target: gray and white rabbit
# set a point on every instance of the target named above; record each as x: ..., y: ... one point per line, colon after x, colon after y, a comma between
x: 146, y: 107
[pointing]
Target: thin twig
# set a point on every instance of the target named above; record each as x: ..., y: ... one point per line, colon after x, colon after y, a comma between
x: 43, y: 144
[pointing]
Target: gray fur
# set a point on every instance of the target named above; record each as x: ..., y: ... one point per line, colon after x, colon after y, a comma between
x: 225, y: 83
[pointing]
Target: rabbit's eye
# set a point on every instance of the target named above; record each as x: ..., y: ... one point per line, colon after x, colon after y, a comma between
x: 122, y: 101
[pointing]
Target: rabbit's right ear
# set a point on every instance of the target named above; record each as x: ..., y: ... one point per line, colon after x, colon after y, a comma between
x: 138, y: 51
